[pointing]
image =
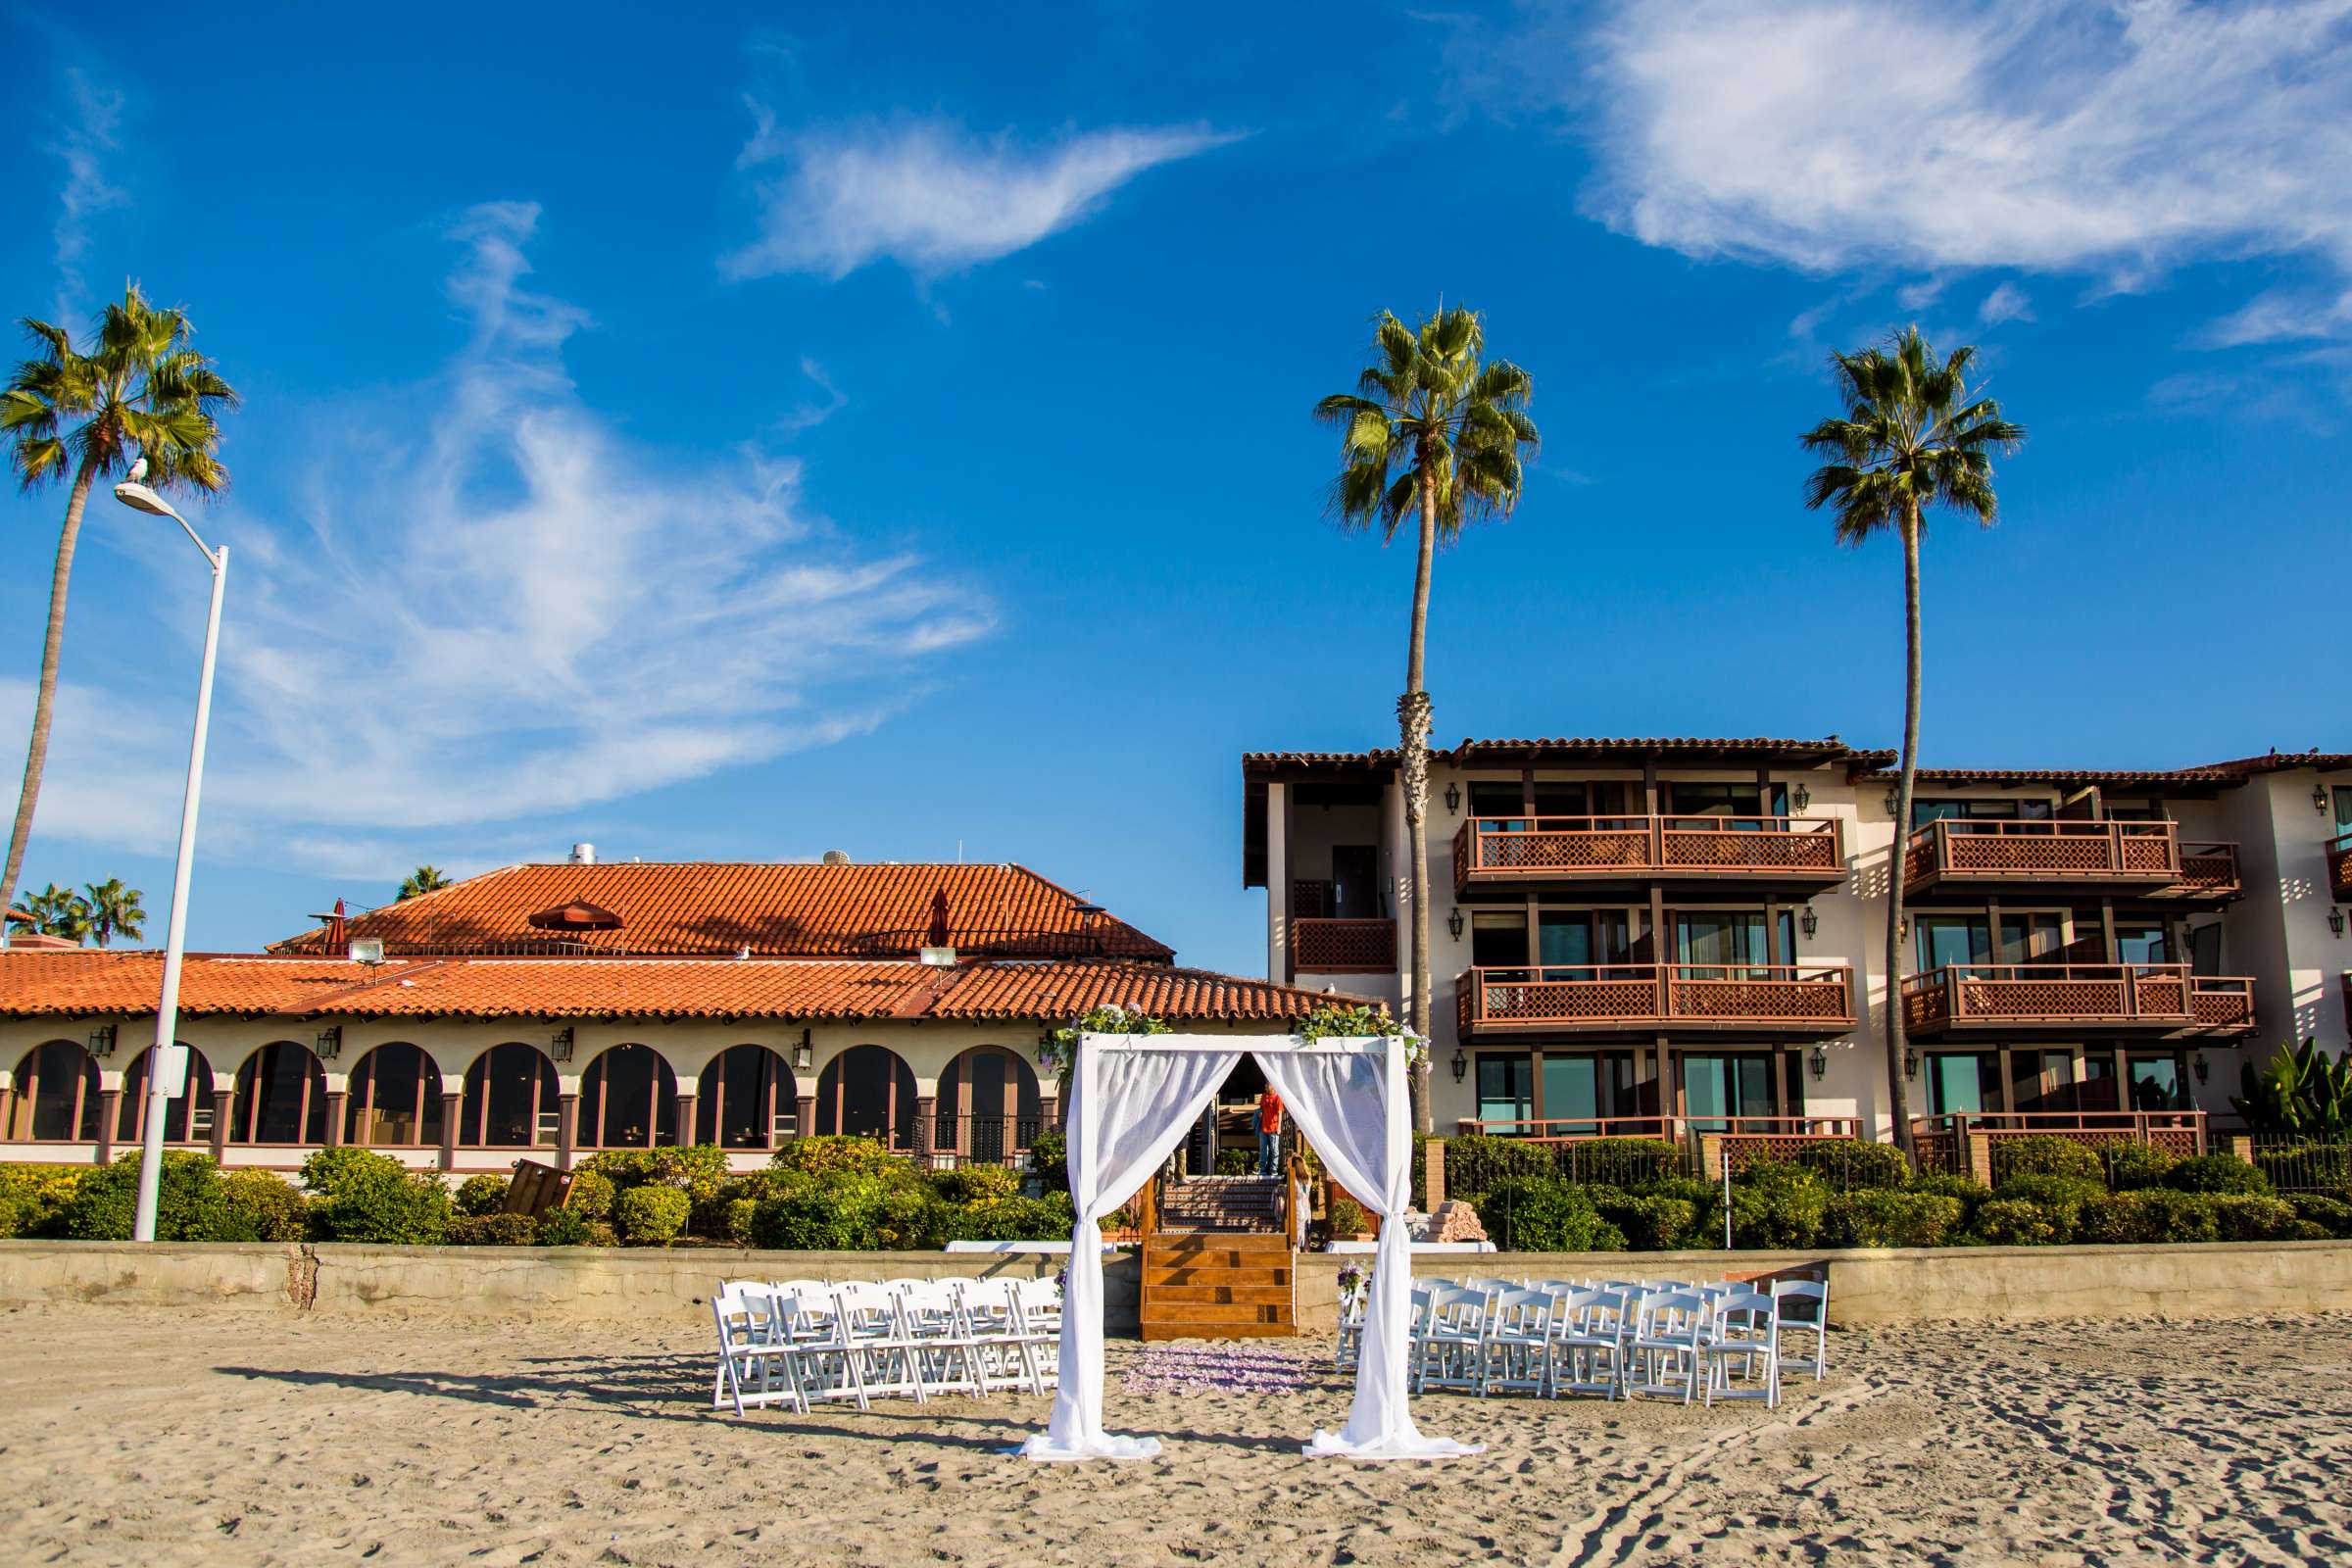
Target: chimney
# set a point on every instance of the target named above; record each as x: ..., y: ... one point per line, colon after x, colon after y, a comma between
x: 583, y: 854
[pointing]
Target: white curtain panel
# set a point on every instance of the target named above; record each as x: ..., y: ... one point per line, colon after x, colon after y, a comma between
x: 1351, y: 1104
x: 1128, y: 1109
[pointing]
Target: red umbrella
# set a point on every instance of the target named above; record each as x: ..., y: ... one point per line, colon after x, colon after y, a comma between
x: 577, y: 916
x: 939, y: 918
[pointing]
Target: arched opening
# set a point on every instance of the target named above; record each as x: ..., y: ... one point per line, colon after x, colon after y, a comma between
x: 282, y: 1096
x: 57, y: 1096
x: 745, y: 1098
x: 988, y: 1106
x: 188, y: 1115
x: 395, y: 1099
x: 867, y: 1092
x: 629, y: 1100
x: 512, y: 1099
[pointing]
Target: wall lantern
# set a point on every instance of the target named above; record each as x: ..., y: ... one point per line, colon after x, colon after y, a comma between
x: 330, y: 1041
x: 1902, y: 929
x: 1453, y: 796
x: 1809, y: 922
x: 1895, y: 798
x: 2319, y: 796
x: 1819, y: 1060
x: 1453, y: 922
x: 1910, y: 1061
x: 2335, y: 918
x: 2201, y: 1066
x: 804, y: 1054
x: 102, y: 1041
x: 1799, y: 796
x: 1461, y: 1064
x: 558, y: 1044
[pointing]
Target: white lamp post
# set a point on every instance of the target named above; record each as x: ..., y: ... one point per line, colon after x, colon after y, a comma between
x: 167, y: 1063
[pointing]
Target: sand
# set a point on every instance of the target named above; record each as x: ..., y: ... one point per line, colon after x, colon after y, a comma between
x: 141, y: 1435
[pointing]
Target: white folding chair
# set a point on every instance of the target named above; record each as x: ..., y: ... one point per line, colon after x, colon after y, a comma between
x: 1514, y: 1355
x: 1004, y: 1354
x: 874, y: 1326
x: 1450, y: 1339
x: 1669, y: 1345
x: 1351, y: 1327
x: 1039, y: 1302
x: 1809, y: 1320
x: 1587, y: 1344
x: 749, y: 1346
x: 936, y: 1324
x: 1745, y: 1329
x: 817, y: 1356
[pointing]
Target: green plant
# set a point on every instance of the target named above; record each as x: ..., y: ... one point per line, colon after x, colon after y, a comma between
x: 2132, y: 1165
x: 1330, y: 1021
x: 2307, y: 1167
x: 1845, y: 1163
x: 1059, y: 1049
x: 116, y: 911
x: 1346, y: 1218
x: 591, y: 1196
x: 739, y: 1221
x: 2297, y: 1094
x: 260, y: 1205
x: 38, y: 1197
x: 2176, y: 1216
x: 427, y: 879
x: 483, y: 1195
x: 1010, y: 1219
x: 1774, y: 1204
x: 2060, y: 1198
x: 2046, y: 1154
x: 362, y: 1196
x: 2248, y: 1217
x: 833, y: 1154
x: 1969, y: 1192
x: 972, y: 1184
x: 2217, y: 1173
x: 189, y: 1206
x: 493, y: 1230
x: 1626, y: 1162
x: 1236, y: 1162
x: 2332, y: 1216
x: 1877, y: 1216
x: 563, y: 1227
x: 1050, y: 1161
x: 1650, y: 1222
x: 651, y: 1215
x: 2013, y: 1222
x: 1476, y: 1162
x: 1543, y: 1215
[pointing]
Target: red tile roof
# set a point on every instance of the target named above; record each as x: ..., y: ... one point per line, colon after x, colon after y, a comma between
x: 92, y: 983
x: 716, y: 908
x: 1586, y: 748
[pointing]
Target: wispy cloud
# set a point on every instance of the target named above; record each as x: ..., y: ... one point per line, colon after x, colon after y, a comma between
x: 2006, y: 303
x: 2280, y: 318
x: 83, y: 141
x: 929, y: 195
x: 518, y: 612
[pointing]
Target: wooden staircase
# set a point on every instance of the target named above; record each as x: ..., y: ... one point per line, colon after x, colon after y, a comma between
x: 1222, y: 1204
x: 1218, y: 1284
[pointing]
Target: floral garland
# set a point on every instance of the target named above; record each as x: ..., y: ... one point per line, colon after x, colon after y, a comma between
x: 1059, y: 1049
x: 1331, y: 1021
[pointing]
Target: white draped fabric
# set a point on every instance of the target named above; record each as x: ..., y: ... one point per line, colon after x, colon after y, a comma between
x: 1131, y: 1101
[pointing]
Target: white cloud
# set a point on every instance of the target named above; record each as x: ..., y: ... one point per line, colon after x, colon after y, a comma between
x: 930, y: 196
x: 2006, y: 303
x: 1920, y: 295
x: 86, y: 192
x: 2280, y: 317
x: 513, y: 612
x: 2053, y: 136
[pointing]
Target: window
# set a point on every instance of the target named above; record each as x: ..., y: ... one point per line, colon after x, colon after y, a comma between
x: 2141, y: 944
x: 394, y: 1099
x: 745, y: 1098
x: 1951, y: 939
x: 1564, y: 799
x: 2007, y: 808
x: 512, y: 1099
x: 1718, y: 1087
x: 2033, y: 938
x: 1498, y: 940
x: 1499, y: 804
x: 2156, y: 1083
x: 2041, y: 1080
x: 1726, y: 800
x: 1584, y: 1088
x: 1505, y: 1091
x: 57, y: 1095
x: 1960, y: 1083
x: 2343, y: 809
x: 281, y: 1096
x: 1579, y: 937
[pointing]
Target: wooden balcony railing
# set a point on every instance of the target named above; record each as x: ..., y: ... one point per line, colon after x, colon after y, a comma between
x: 2162, y: 997
x: 1573, y: 1129
x: 1787, y: 849
x: 1320, y: 945
x: 2139, y: 854
x: 1810, y: 999
x: 2181, y: 1133
x: 2340, y: 867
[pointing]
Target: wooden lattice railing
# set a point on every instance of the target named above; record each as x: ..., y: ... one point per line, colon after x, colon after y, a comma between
x: 1344, y: 947
x: 2164, y: 994
x: 2180, y: 1133
x: 1812, y: 996
x: 2062, y: 850
x: 1526, y: 848
x: 2207, y: 870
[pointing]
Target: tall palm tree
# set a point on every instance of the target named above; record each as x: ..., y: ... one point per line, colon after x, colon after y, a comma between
x: 424, y: 879
x: 116, y: 911
x: 1914, y: 435
x: 139, y: 391
x: 59, y: 913
x: 1433, y: 432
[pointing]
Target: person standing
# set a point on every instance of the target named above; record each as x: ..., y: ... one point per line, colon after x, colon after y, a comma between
x: 1269, y: 1132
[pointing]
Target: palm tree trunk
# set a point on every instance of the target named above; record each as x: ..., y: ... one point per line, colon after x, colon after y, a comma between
x: 44, y: 700
x: 1413, y: 717
x: 1898, y: 1090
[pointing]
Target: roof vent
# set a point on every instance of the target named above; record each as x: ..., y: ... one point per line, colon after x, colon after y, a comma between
x: 583, y: 854
x: 837, y: 857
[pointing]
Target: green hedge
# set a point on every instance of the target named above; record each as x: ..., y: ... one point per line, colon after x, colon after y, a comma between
x: 2132, y: 1166
x: 1475, y: 1164
x: 2047, y: 1155
x: 1543, y: 1214
x: 1878, y: 1217
x: 1849, y: 1163
x: 2331, y: 1215
x: 263, y: 1207
x: 650, y: 1214
x: 493, y: 1230
x: 2217, y: 1173
x: 481, y: 1195
x: 361, y: 1196
x: 189, y: 1204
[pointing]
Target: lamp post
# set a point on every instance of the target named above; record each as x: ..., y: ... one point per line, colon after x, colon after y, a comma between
x: 168, y: 1064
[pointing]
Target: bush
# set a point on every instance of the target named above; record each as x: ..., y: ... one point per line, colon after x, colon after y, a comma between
x: 1970, y: 1193
x: 1650, y: 1222
x: 1237, y: 1161
x: 831, y: 1154
x: 2014, y: 1222
x: 1542, y: 1214
x: 1475, y: 1164
x: 2174, y: 1216
x: 591, y: 1196
x: 2132, y: 1166
x: 650, y: 1214
x: 739, y: 1221
x: 1011, y: 1219
x: 259, y: 1205
x: 1874, y: 1216
x: 858, y: 1214
x: 364, y: 1197
x: 33, y: 1198
x: 2217, y: 1173
x: 1346, y: 1217
x: 493, y: 1230
x: 1847, y: 1164
x: 695, y: 1169
x: 2247, y: 1217
x: 1050, y: 1161
x: 561, y: 1227
x: 2332, y: 1216
x: 976, y: 1183
x: 188, y: 1208
x: 1626, y: 1162
x: 483, y: 1195
x: 2048, y: 1155
x: 2060, y: 1198
x: 2323, y: 1167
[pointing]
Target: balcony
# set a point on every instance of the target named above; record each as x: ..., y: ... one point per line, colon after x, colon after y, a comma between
x: 2340, y: 867
x: 2143, y: 860
x: 1774, y: 999
x: 2157, y: 1001
x: 1800, y: 851
x: 1320, y: 945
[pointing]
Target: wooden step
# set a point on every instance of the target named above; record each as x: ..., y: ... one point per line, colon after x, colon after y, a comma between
x: 1203, y: 1285
x: 1218, y: 1294
x: 1220, y: 1331
x: 1160, y: 1242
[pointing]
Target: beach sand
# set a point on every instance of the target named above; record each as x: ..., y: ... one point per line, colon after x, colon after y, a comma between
x: 152, y: 1437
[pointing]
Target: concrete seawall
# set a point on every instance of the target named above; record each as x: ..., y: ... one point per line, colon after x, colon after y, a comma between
x: 1986, y: 1283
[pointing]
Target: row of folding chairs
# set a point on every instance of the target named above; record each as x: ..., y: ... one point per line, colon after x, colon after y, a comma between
x: 799, y: 1341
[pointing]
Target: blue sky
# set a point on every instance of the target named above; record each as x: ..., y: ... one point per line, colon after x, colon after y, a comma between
x: 887, y: 428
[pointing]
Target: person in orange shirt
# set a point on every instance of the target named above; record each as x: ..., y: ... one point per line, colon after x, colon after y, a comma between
x: 1269, y: 1132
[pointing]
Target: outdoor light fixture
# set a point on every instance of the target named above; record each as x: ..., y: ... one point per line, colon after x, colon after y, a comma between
x: 2319, y: 796
x: 1799, y: 796
x: 1820, y: 1061
x: 1453, y: 922
x: 2200, y: 1066
x: 330, y: 1041
x: 1902, y: 929
x: 1461, y: 1064
x: 1453, y: 796
x: 2335, y: 918
x: 1895, y: 798
x: 804, y: 1053
x: 558, y: 1044
x: 1811, y: 922
x: 102, y: 1041
x: 1910, y: 1061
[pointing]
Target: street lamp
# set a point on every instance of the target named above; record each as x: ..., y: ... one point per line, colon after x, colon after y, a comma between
x: 168, y: 1066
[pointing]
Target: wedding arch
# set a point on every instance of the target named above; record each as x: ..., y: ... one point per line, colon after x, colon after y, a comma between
x: 1131, y: 1098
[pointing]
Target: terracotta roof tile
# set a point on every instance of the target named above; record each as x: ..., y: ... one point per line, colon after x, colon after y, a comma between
x: 715, y: 907
x: 1471, y: 751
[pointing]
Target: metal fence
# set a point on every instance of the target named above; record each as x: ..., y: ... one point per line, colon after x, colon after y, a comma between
x: 2304, y: 1167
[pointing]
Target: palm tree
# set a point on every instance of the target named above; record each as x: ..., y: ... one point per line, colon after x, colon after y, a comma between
x: 116, y: 911
x: 139, y: 391
x: 59, y: 913
x: 1431, y: 432
x: 424, y: 879
x: 1914, y: 434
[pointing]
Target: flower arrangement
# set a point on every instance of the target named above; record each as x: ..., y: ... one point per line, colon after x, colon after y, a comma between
x: 1059, y: 1049
x: 1331, y: 1021
x: 1352, y: 1281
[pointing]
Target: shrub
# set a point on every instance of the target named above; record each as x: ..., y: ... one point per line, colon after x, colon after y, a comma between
x: 601, y: 1234
x: 1542, y: 1214
x: 259, y: 1205
x: 188, y: 1204
x: 1945, y: 1184
x: 36, y: 1198
x: 2172, y: 1216
x: 1049, y: 1162
x: 1772, y: 1206
x: 2323, y: 1167
x: 831, y: 1154
x: 696, y: 1169
x: 1011, y: 1219
x: 2132, y: 1166
x: 739, y: 1221
x: 1651, y: 1223
x: 2014, y: 1222
x: 591, y: 1196
x: 851, y: 1215
x: 973, y: 1183
x: 2217, y: 1173
x: 2112, y: 1220
x: 2247, y: 1217
x: 1874, y: 1216
x: 1847, y: 1164
x: 1346, y: 1217
x: 561, y: 1227
x: 1237, y: 1161
x: 483, y: 1195
x: 1687, y: 1189
x: 2048, y: 1155
x: 2061, y: 1198
x: 364, y: 1197
x: 493, y: 1230
x: 2332, y: 1216
x: 1476, y: 1163
x: 651, y: 1215
x: 1620, y: 1161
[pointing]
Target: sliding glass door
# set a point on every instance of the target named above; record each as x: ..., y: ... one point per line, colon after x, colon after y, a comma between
x: 1717, y: 1087
x: 1729, y: 944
